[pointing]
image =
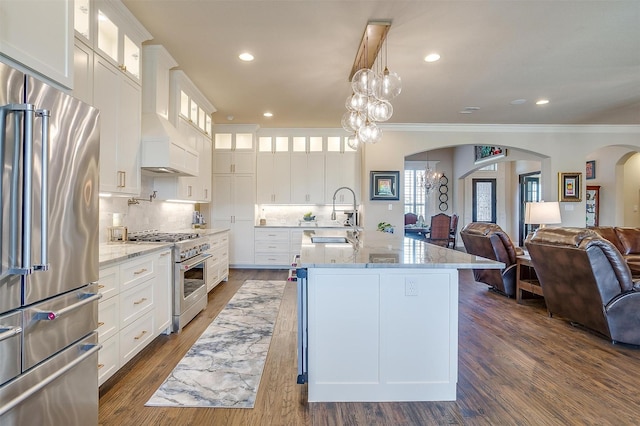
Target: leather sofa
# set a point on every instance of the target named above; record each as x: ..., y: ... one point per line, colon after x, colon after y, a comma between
x: 585, y: 279
x: 490, y: 241
x: 626, y: 240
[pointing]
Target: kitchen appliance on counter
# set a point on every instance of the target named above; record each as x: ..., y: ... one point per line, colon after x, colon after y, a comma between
x: 189, y: 272
x: 49, y: 152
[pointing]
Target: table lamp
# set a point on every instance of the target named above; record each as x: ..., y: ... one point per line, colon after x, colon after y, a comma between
x: 542, y: 213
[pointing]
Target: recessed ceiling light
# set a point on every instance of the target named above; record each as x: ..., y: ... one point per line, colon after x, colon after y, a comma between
x: 432, y: 57
x: 542, y: 102
x: 268, y: 114
x: 471, y: 108
x: 246, y: 56
x: 230, y: 117
x: 465, y: 111
x: 518, y: 101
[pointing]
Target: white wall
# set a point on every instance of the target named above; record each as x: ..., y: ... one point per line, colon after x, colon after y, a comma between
x: 558, y: 148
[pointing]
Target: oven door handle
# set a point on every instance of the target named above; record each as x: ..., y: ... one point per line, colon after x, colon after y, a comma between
x: 190, y: 263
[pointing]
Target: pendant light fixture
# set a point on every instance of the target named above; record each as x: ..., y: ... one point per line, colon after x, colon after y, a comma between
x: 430, y: 179
x: 371, y: 91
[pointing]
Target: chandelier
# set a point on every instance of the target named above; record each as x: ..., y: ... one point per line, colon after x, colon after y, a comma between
x: 430, y: 179
x: 372, y: 91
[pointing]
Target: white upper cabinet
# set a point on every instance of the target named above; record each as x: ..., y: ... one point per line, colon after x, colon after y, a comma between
x: 274, y: 175
x: 83, y: 72
x: 342, y: 168
x: 118, y: 99
x: 234, y: 149
x: 307, y: 170
x: 195, y: 130
x: 38, y: 35
x: 117, y: 93
x: 119, y: 37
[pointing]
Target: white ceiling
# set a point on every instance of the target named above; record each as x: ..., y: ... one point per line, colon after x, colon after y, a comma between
x: 582, y: 55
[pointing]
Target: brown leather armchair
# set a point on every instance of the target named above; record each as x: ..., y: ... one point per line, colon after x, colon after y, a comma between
x: 490, y: 241
x: 586, y: 280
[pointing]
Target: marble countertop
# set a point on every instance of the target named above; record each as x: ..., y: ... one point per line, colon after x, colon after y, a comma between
x: 110, y: 253
x: 376, y: 249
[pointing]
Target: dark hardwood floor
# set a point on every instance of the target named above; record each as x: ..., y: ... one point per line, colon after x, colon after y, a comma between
x: 517, y: 366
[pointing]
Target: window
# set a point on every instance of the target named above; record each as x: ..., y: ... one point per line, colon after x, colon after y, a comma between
x: 414, y: 199
x: 484, y: 200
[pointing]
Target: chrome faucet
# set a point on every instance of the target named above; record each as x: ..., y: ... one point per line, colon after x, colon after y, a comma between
x: 355, y: 209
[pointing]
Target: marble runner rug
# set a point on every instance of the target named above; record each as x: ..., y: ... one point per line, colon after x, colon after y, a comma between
x: 224, y: 366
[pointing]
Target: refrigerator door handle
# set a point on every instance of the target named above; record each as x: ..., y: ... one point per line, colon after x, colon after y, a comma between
x: 44, y: 194
x: 20, y: 263
x: 7, y: 332
x: 51, y: 315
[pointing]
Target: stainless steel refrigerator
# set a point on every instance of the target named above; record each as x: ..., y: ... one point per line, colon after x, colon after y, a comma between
x: 49, y: 159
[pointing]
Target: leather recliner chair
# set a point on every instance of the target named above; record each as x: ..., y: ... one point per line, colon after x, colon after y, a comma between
x: 586, y: 280
x: 490, y: 241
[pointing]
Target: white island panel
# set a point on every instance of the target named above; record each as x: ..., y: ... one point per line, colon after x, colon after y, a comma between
x: 382, y: 334
x: 343, y: 314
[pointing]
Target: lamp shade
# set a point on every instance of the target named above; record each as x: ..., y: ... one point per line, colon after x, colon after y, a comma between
x: 542, y: 213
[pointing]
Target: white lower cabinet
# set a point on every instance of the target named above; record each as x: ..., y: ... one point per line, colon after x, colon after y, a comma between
x: 277, y: 246
x: 218, y: 264
x: 135, y: 308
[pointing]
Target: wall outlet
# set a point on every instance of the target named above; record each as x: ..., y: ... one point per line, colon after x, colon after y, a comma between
x: 410, y: 287
x: 390, y: 206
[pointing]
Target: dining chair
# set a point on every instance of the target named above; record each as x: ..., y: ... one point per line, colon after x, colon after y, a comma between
x: 440, y: 230
x: 453, y: 230
x: 410, y: 218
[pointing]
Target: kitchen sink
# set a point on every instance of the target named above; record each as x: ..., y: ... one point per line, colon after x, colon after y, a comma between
x: 330, y: 240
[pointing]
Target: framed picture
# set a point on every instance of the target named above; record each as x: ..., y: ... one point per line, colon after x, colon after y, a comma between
x: 591, y: 170
x: 485, y: 153
x: 569, y: 187
x: 384, y: 185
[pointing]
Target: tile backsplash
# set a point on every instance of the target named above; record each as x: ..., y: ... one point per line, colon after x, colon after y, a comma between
x: 158, y: 215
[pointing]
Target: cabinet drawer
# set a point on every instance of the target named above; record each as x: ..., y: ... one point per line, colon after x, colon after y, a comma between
x: 272, y: 234
x: 136, y: 271
x: 109, y: 282
x: 273, y: 258
x: 108, y: 318
x: 108, y: 359
x: 134, y: 302
x: 135, y: 337
x: 272, y: 246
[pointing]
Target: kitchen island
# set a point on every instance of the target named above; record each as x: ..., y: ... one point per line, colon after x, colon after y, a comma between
x: 378, y: 316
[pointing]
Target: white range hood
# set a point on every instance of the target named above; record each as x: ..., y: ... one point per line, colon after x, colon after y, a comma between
x: 164, y: 151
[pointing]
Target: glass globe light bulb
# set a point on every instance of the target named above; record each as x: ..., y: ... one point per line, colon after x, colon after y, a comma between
x: 369, y: 133
x: 388, y: 86
x: 361, y: 81
x: 352, y: 121
x: 353, y: 142
x: 356, y: 102
x: 379, y: 110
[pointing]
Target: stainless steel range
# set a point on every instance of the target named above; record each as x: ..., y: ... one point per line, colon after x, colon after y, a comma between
x: 190, y: 272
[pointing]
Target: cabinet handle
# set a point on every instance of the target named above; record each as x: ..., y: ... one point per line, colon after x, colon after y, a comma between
x: 189, y: 190
x: 100, y: 324
x: 141, y: 271
x: 164, y: 254
x: 100, y: 366
x: 100, y: 286
x: 144, y: 299
x: 206, y: 193
x: 233, y: 168
x: 139, y: 336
